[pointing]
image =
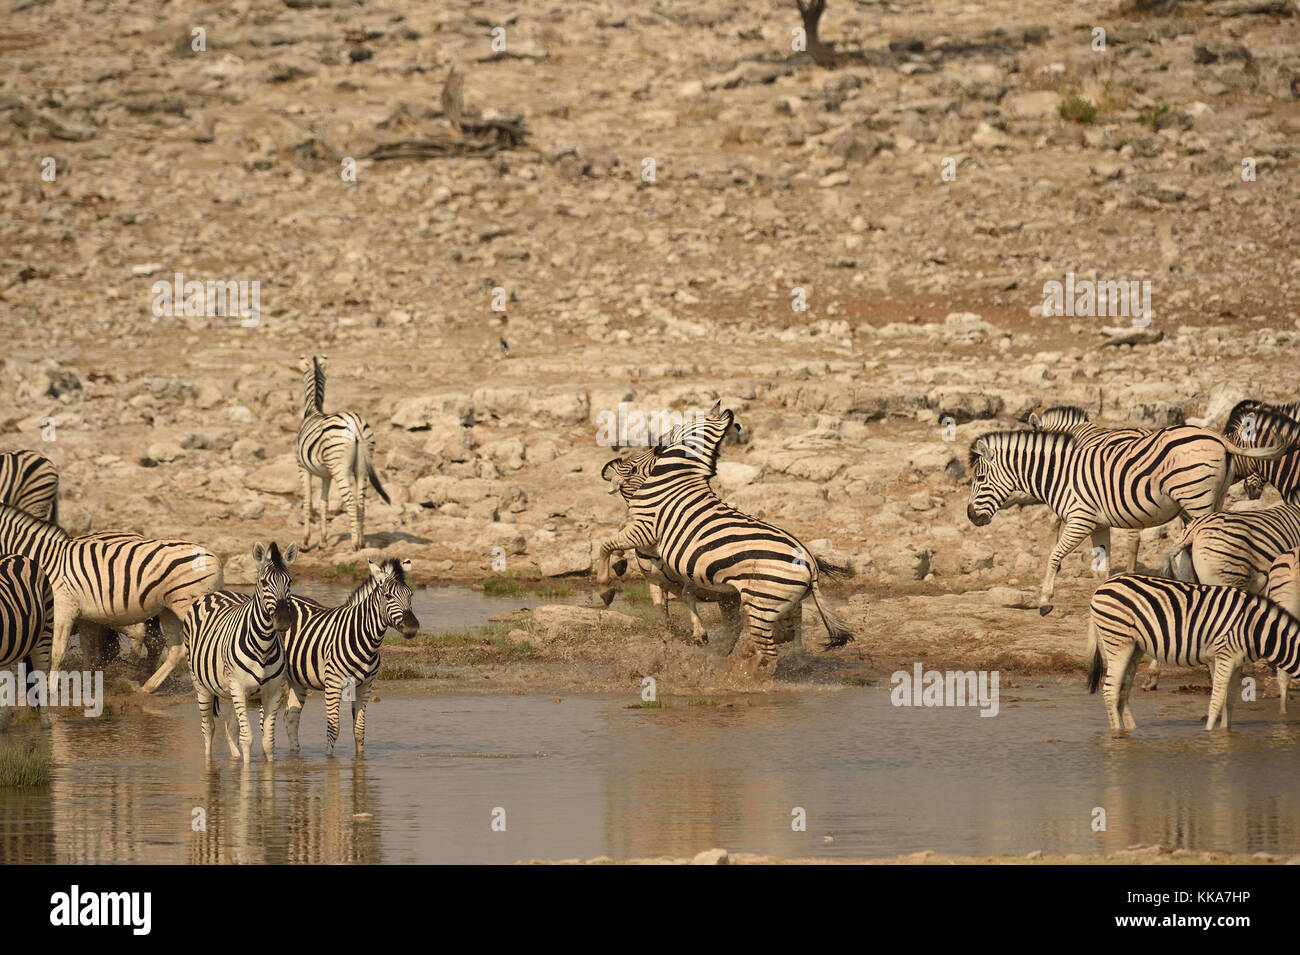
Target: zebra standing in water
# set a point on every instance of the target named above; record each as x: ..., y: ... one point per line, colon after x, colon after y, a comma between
x: 626, y: 476
x: 26, y: 622
x: 711, y: 546
x: 1283, y: 588
x: 330, y: 648
x: 336, y: 447
x: 30, y: 483
x: 1254, y: 423
x: 115, y: 580
x: 236, y: 650
x: 1184, y: 624
x: 1142, y: 481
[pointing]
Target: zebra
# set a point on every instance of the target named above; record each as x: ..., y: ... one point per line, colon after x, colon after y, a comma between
x: 236, y: 650
x: 626, y: 475
x: 1253, y: 423
x: 336, y: 447
x: 115, y: 580
x: 26, y: 622
x: 1143, y: 481
x: 1075, y: 421
x: 1282, y: 586
x: 330, y: 647
x: 1184, y: 624
x: 1235, y: 548
x: 30, y: 483
x: 711, y: 545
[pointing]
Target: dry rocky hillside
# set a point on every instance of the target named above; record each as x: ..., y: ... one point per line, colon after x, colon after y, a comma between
x: 650, y: 192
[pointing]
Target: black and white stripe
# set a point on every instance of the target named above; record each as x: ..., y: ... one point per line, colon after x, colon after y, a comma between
x: 336, y: 447
x: 30, y: 483
x: 626, y: 475
x: 115, y: 580
x: 1186, y: 625
x: 1100, y: 483
x: 1235, y: 548
x: 236, y: 650
x: 711, y: 545
x: 26, y: 621
x: 329, y: 649
x: 1283, y: 588
x: 1253, y: 424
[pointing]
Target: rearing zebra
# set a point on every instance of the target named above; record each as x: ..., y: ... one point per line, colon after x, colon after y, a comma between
x: 1184, y: 624
x: 330, y: 648
x: 336, y: 447
x: 236, y: 650
x: 1143, y: 481
x: 711, y: 545
x: 26, y: 621
x: 30, y: 483
x: 116, y: 580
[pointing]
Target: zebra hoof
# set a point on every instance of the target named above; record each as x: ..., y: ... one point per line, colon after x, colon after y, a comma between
x: 1044, y: 610
x: 607, y: 596
x: 620, y: 567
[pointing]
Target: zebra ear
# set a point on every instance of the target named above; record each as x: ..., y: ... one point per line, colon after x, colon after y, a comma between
x: 716, y: 409
x: 606, y: 472
x: 981, y: 449
x: 322, y: 361
x: 1034, y: 421
x: 375, y: 570
x: 290, y: 555
x: 406, y: 566
x: 304, y: 363
x: 259, y: 553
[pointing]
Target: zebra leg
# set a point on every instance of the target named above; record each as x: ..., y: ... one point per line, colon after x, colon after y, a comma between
x: 359, y: 511
x: 1101, y: 539
x: 1116, y: 666
x: 306, y: 508
x: 324, y: 510
x: 171, y: 627
x: 1126, y: 690
x: 272, y: 694
x: 1072, y: 535
x: 297, y: 697
x: 239, y: 700
x: 699, y: 634
x: 1283, y: 681
x: 1234, y: 690
x: 1131, y: 564
x: 41, y: 662
x: 231, y: 726
x: 760, y: 631
x: 206, y: 706
x: 359, y: 714
x: 333, y: 696
x: 625, y: 540
x: 7, y: 712
x: 65, y: 615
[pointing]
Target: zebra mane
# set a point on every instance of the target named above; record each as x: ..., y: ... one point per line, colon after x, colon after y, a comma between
x: 996, y: 439
x: 315, y: 381
x: 687, y: 442
x: 276, y: 558
x: 389, y: 565
x: 18, y: 517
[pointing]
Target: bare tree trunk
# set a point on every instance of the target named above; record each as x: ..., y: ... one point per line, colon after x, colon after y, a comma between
x: 823, y: 54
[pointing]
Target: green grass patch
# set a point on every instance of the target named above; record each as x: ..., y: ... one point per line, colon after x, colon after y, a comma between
x: 1077, y: 108
x: 854, y: 681
x: 1153, y: 119
x: 655, y: 705
x: 704, y: 701
x: 23, y: 766
x: 399, y: 671
x: 355, y: 572
x: 508, y: 585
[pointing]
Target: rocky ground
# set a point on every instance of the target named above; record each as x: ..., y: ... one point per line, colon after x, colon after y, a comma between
x: 685, y: 182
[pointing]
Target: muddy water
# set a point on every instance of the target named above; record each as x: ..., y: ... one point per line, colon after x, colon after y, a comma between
x: 440, y: 609
x: 587, y: 777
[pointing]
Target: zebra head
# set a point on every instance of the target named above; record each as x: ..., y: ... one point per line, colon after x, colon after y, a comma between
x: 992, y: 482
x: 700, y: 440
x: 1062, y: 419
x: 1254, y: 424
x: 313, y: 380
x: 628, y: 473
x: 273, y: 583
x: 395, y: 595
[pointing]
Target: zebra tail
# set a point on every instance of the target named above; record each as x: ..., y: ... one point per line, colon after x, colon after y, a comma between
x: 54, y: 509
x: 833, y: 571
x: 366, y: 470
x: 1269, y: 453
x: 374, y: 482
x: 839, y: 634
x: 1094, y: 657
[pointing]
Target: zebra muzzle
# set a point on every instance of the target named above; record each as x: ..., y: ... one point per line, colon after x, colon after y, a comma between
x: 979, y: 520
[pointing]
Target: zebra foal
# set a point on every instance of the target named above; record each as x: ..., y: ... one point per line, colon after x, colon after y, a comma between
x: 236, y: 650
x: 1183, y: 624
x: 336, y: 447
x: 26, y: 621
